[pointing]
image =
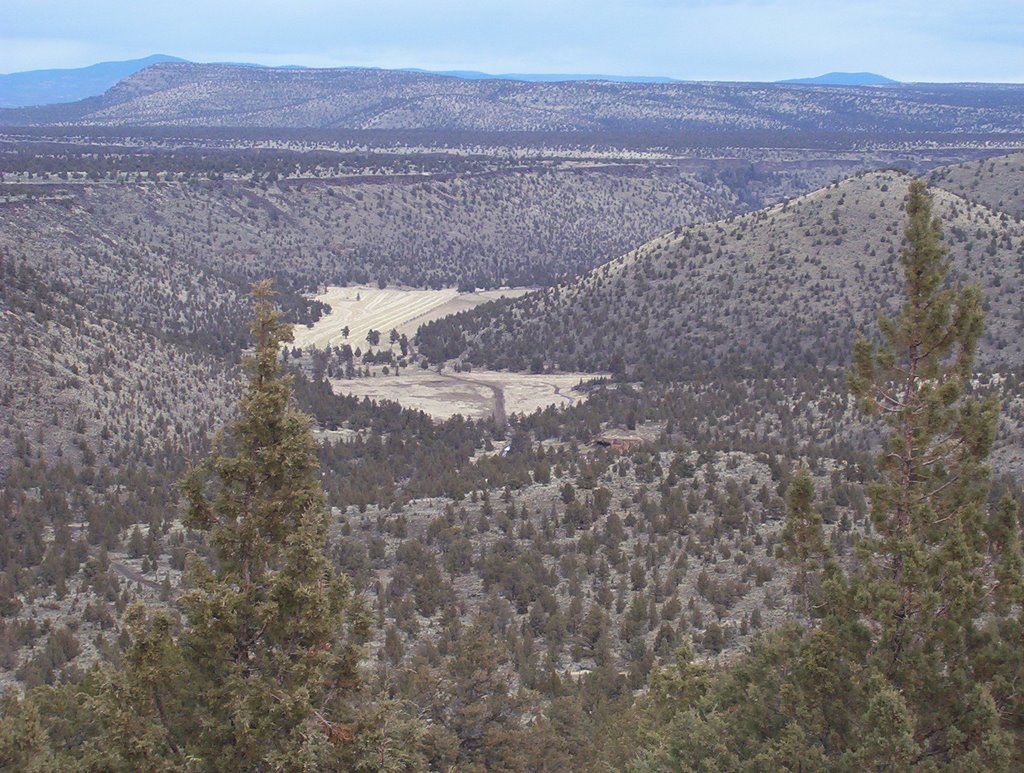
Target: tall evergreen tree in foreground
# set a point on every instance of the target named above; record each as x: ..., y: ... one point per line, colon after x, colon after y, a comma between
x: 272, y: 631
x: 916, y: 663
x: 803, y: 539
x: 942, y: 565
x: 262, y: 675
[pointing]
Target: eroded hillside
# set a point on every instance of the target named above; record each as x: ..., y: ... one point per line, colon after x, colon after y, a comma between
x: 88, y: 390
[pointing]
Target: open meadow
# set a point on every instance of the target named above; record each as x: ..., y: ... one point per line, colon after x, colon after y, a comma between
x: 475, y: 395
x: 362, y: 308
x: 440, y: 393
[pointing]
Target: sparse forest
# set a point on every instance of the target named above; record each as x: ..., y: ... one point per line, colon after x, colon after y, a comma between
x: 777, y: 288
x: 782, y: 532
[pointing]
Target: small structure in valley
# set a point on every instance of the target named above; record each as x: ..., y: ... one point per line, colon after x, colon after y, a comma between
x: 618, y: 440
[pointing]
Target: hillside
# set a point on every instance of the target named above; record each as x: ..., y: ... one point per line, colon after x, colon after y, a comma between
x: 85, y: 387
x: 240, y: 96
x: 396, y: 218
x: 998, y: 183
x: 844, y: 79
x: 518, y: 228
x: 530, y: 549
x: 785, y: 287
x: 154, y: 242
x: 163, y: 264
x: 150, y: 277
x: 152, y: 238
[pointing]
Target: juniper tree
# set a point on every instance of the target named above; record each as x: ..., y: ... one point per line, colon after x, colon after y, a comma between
x: 916, y: 662
x: 261, y: 673
x: 803, y: 538
x: 272, y: 632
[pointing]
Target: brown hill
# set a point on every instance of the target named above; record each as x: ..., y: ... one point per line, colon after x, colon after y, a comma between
x: 785, y: 287
x: 125, y: 297
x: 89, y: 390
x: 998, y: 183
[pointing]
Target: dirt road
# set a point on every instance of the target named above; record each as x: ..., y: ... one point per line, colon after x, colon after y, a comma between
x: 498, y: 410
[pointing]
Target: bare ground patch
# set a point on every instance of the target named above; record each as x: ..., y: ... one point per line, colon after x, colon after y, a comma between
x: 475, y: 395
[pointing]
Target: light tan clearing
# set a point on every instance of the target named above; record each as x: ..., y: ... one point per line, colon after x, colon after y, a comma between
x: 475, y: 395
x: 362, y: 308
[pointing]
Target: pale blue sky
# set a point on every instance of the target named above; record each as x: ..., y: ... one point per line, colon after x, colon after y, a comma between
x: 910, y: 40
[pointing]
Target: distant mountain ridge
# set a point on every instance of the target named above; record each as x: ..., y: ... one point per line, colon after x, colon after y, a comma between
x: 475, y: 75
x: 32, y: 88
x: 185, y: 94
x: 844, y: 79
x: 47, y: 87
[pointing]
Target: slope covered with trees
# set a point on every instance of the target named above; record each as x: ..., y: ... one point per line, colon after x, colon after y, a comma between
x: 126, y: 265
x: 780, y: 288
x: 913, y: 660
x: 994, y: 182
x: 205, y: 238
x: 518, y: 589
x: 85, y: 388
x: 186, y: 94
x: 524, y: 602
x: 261, y: 673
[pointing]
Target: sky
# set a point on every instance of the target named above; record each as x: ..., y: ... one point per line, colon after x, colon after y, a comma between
x: 759, y: 40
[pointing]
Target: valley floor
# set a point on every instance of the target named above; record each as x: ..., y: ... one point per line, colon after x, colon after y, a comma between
x: 362, y: 308
x: 475, y: 394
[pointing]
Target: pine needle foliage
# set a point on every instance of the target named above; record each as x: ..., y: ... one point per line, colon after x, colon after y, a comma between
x: 803, y: 539
x: 261, y: 672
x: 928, y: 592
x: 915, y: 662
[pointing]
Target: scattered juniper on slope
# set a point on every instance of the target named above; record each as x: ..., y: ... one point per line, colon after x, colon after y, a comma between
x: 263, y: 674
x: 915, y: 662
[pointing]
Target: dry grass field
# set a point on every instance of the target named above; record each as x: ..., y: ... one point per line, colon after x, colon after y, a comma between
x: 475, y: 395
x: 442, y: 394
x: 362, y: 308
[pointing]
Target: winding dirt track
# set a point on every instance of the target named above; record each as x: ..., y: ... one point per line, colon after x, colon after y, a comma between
x: 498, y: 410
x: 122, y: 569
x: 473, y: 393
x: 130, y: 574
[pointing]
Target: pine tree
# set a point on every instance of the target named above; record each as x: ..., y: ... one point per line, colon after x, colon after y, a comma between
x: 928, y: 591
x: 915, y: 663
x: 23, y: 741
x: 144, y: 709
x: 261, y: 675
